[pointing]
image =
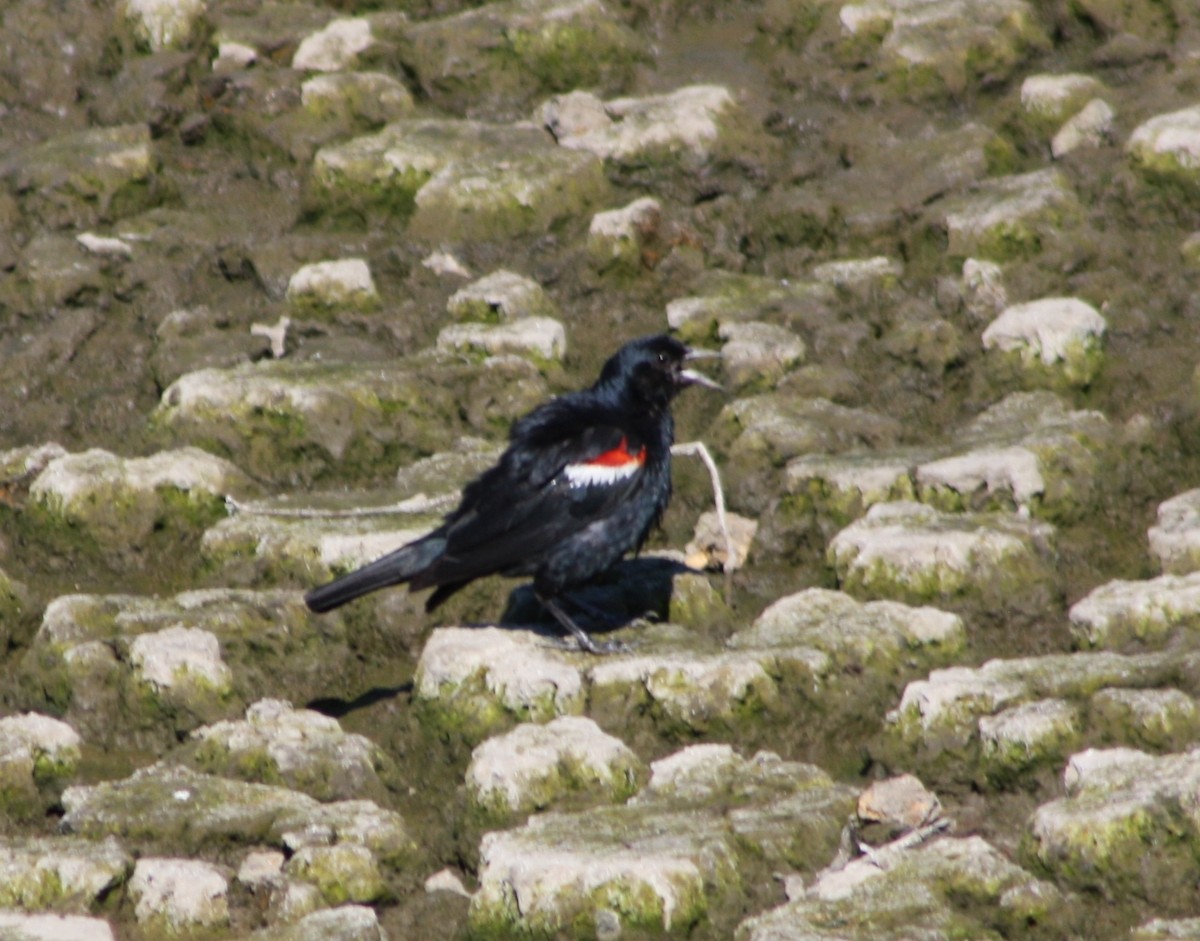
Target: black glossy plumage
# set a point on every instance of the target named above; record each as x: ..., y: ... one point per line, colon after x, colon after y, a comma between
x: 584, y: 479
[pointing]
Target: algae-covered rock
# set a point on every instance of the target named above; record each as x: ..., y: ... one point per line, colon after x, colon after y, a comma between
x: 162, y: 805
x: 1008, y: 720
x: 328, y: 288
x: 621, y: 241
x: 911, y: 551
x: 285, y: 421
x: 657, y: 863
x: 119, y: 502
x: 371, y: 97
x: 1009, y: 217
x: 21, y: 927
x: 473, y: 681
x: 302, y: 749
x: 1175, y: 536
x: 344, y: 872
x: 535, y: 766
x: 345, y: 923
x: 1155, y: 613
x: 499, y: 297
x: 178, y: 896
x: 1165, y: 150
x: 62, y: 874
x: 1050, y: 99
x: 757, y: 355
x: 167, y: 665
x: 1055, y: 338
x: 941, y: 47
x: 159, y: 25
x: 38, y: 755
x: 725, y: 299
x: 492, y: 59
x: 81, y: 179
x: 1125, y: 825
x: 946, y: 888
x: 527, y: 191
x: 539, y: 338
x: 334, y: 47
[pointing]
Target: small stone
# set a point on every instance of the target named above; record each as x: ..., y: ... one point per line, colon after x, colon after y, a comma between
x: 333, y: 285
x: 334, y: 48
x: 619, y: 238
x: 1055, y: 97
x: 164, y: 24
x: 502, y: 296
x: 1175, y: 536
x: 446, y: 880
x: 708, y: 549
x: 261, y: 867
x: 1058, y: 333
x: 234, y: 56
x: 178, y: 895
x: 758, y: 354
x: 105, y: 245
x: 541, y: 337
x: 901, y: 803
x: 1089, y: 128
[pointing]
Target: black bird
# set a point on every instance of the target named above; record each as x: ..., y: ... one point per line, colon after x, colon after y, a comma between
x: 584, y: 479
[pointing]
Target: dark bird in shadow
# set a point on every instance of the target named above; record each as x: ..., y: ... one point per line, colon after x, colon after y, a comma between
x: 584, y: 479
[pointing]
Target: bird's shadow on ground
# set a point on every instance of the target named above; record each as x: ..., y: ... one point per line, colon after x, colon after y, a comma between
x: 632, y: 590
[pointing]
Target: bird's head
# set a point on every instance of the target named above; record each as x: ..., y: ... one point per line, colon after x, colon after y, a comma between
x: 654, y: 369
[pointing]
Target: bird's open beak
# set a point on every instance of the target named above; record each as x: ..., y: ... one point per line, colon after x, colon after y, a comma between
x: 689, y: 377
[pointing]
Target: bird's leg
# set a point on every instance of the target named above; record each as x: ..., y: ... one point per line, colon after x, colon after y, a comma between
x: 581, y: 636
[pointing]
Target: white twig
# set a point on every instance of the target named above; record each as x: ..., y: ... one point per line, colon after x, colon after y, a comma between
x: 697, y: 449
x: 418, y: 504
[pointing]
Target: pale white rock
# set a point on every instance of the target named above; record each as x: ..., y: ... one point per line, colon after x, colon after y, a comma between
x: 34, y: 734
x: 857, y: 18
x: 1091, y: 127
x: 1014, y: 470
x: 502, y: 295
x: 373, y: 96
x: 540, y: 336
x: 628, y: 222
x: 758, y: 352
x: 1052, y: 331
x: 686, y: 119
x: 902, y: 544
x: 515, y: 669
x: 531, y: 765
x: 261, y: 867
x: 180, y: 894
x: 334, y: 48
x: 708, y: 549
x: 1055, y: 96
x: 332, y: 283
x: 1008, y: 210
x: 445, y: 264
x: 852, y: 271
x: 299, y: 743
x: 164, y: 24
x: 941, y: 698
x: 104, y: 245
x: 233, y: 56
x: 21, y: 927
x: 1169, y: 140
x: 1146, y: 610
x: 446, y: 880
x: 75, y: 478
x: 983, y: 288
x: 1175, y: 537
x: 1022, y: 732
x: 176, y: 655
x: 1091, y: 768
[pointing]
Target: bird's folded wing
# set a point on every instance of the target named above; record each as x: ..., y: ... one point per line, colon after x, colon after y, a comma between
x: 527, y: 505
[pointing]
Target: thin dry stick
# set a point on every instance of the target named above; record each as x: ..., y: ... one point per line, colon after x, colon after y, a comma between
x: 418, y: 504
x: 697, y: 449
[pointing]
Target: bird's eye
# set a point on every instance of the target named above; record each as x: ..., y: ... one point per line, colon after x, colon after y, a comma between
x: 662, y: 358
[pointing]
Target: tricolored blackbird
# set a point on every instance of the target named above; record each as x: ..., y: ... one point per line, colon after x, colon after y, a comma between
x: 584, y: 479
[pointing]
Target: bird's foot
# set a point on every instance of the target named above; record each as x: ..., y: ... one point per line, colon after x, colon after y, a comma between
x: 582, y: 637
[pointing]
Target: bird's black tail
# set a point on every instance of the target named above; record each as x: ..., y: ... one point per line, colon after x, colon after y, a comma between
x: 395, y: 568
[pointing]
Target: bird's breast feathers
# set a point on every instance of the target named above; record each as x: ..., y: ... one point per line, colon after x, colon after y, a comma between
x: 608, y: 467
